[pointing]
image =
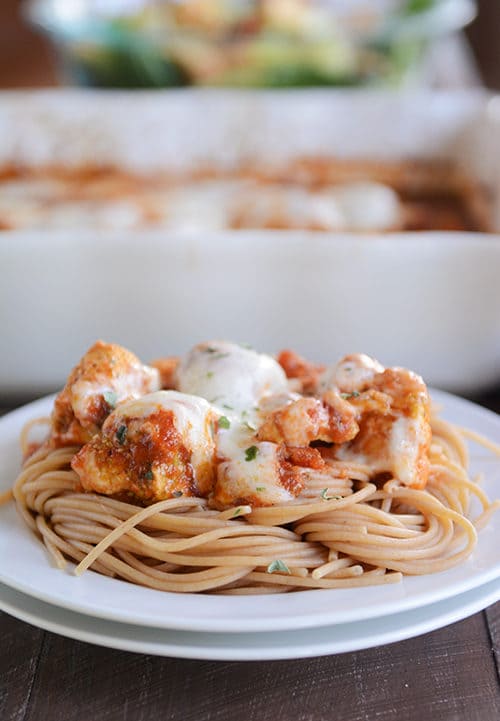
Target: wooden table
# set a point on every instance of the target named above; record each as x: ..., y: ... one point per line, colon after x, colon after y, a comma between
x: 451, y: 675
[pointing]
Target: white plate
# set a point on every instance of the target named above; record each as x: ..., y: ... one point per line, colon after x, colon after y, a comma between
x: 249, y: 646
x: 28, y: 569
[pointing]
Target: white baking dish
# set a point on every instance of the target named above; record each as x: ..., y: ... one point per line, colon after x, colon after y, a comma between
x: 428, y: 301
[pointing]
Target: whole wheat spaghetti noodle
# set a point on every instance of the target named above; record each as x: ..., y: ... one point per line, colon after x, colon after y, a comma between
x: 356, y: 534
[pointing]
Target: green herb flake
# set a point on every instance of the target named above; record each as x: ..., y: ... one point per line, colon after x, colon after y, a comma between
x: 110, y: 398
x: 121, y: 434
x: 210, y: 374
x: 346, y: 396
x: 251, y: 453
x: 210, y: 349
x: 224, y: 422
x: 237, y: 512
x: 326, y: 497
x: 279, y: 566
x: 149, y: 475
x: 260, y: 488
x: 177, y: 494
x: 228, y: 408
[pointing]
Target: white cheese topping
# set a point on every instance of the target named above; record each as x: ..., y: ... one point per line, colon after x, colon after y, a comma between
x: 352, y: 373
x: 230, y: 376
x: 258, y: 476
x: 404, y: 448
x: 193, y: 420
x: 367, y: 206
x: 123, y: 386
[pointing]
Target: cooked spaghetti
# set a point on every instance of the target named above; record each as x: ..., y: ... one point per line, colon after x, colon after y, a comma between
x: 245, y: 475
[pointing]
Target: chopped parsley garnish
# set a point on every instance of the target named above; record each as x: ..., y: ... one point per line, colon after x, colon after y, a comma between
x: 326, y: 497
x: 149, y: 475
x: 215, y: 352
x: 244, y: 414
x: 278, y: 566
x: 237, y: 512
x: 110, y: 398
x: 177, y: 494
x: 346, y: 396
x: 121, y: 434
x: 251, y: 453
x: 224, y: 422
x: 228, y: 408
x: 260, y: 488
x: 210, y: 374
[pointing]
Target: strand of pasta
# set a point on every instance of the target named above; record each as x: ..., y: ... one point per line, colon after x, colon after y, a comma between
x: 481, y: 440
x: 450, y: 440
x: 6, y: 496
x: 278, y: 515
x: 24, y: 438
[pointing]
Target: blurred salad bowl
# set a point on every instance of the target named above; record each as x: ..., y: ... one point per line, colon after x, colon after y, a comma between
x: 245, y: 43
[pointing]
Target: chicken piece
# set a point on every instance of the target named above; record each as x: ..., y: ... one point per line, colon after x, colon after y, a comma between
x: 353, y: 374
x: 306, y: 373
x: 309, y: 419
x: 394, y: 437
x: 167, y: 368
x: 260, y: 475
x: 153, y: 448
x: 256, y: 472
x: 106, y: 376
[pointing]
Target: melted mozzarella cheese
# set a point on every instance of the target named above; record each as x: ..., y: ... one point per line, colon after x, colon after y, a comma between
x: 236, y: 380
x: 242, y: 480
x: 204, y: 205
x: 353, y: 373
x: 404, y: 448
x: 193, y: 420
x: 129, y: 384
x: 367, y: 206
x: 288, y: 206
x: 399, y: 455
x: 230, y: 376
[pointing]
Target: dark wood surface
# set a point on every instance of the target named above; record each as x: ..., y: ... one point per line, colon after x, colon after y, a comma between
x: 451, y: 674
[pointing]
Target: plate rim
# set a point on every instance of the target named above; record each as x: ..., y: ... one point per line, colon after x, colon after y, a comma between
x: 425, y: 619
